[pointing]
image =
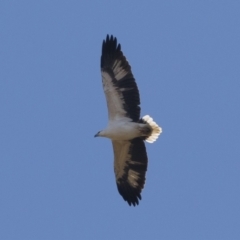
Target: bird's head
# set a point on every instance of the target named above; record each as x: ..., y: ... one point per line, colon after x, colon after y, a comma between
x: 102, y: 133
x: 98, y: 134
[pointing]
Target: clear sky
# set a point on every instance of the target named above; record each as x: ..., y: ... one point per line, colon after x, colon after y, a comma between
x: 57, y: 180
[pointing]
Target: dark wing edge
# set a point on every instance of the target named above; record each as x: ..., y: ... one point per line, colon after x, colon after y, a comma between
x: 131, y: 183
x: 115, y: 64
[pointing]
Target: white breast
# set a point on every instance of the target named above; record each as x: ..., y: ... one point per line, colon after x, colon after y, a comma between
x: 122, y: 130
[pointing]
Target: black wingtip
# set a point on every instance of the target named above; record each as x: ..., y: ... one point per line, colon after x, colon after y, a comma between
x: 131, y: 196
x: 110, y: 50
x: 110, y: 44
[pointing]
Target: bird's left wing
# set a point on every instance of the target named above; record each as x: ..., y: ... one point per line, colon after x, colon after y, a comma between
x: 119, y: 85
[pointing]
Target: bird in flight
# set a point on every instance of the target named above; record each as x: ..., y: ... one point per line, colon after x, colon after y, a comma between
x: 125, y: 127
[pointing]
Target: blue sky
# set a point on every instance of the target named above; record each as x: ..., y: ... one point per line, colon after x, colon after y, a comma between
x: 57, y: 180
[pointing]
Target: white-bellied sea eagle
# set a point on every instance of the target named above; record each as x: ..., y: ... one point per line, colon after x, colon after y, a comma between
x: 125, y: 127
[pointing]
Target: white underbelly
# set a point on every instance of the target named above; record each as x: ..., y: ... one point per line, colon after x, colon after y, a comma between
x: 123, y: 131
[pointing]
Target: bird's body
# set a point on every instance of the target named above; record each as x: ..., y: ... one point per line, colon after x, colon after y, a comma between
x: 124, y: 130
x: 125, y: 127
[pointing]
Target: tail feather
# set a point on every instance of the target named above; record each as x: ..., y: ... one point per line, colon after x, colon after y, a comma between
x: 156, y: 130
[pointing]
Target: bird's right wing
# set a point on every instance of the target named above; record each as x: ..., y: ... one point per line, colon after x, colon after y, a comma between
x: 130, y: 166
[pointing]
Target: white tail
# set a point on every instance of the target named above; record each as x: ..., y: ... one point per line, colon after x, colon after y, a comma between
x: 156, y: 130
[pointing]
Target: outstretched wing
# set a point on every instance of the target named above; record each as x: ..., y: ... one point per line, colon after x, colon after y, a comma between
x: 119, y: 85
x: 130, y: 166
